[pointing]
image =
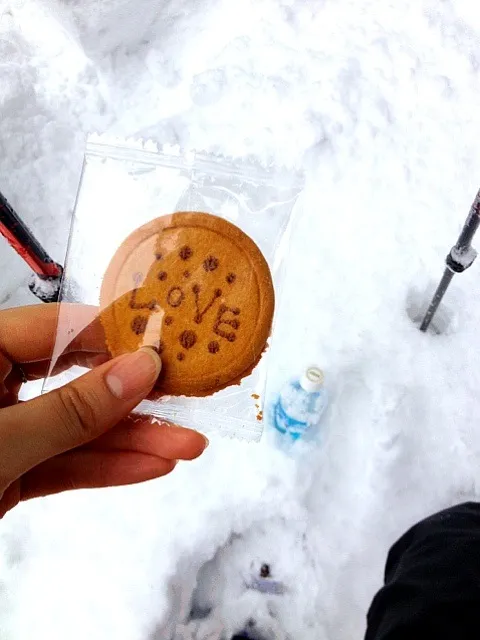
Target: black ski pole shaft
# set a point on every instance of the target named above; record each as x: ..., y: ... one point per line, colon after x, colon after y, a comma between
x: 470, y: 227
x: 24, y: 242
x: 437, y: 298
x: 460, y: 258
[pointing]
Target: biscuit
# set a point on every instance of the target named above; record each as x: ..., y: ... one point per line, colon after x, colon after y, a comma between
x: 199, y: 290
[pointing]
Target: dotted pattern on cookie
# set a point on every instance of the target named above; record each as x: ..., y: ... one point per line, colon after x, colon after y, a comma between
x: 185, y: 253
x: 139, y: 325
x: 211, y: 263
x: 214, y: 347
x: 188, y: 339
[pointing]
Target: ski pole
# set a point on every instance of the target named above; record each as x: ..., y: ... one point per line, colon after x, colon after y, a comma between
x: 20, y: 238
x: 460, y: 258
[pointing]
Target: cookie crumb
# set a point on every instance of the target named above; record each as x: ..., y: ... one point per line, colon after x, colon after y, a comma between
x: 260, y: 416
x: 255, y: 396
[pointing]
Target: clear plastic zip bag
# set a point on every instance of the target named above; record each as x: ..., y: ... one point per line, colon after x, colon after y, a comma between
x: 181, y: 252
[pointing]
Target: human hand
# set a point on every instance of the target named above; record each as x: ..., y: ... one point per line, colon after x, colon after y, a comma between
x: 81, y: 435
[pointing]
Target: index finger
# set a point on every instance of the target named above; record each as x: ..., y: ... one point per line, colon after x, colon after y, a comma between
x: 28, y: 334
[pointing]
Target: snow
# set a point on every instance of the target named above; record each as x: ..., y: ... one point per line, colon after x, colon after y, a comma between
x: 379, y: 100
x: 464, y: 258
x: 46, y: 289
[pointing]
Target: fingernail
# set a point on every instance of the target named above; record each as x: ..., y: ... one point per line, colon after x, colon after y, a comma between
x: 134, y: 374
x: 207, y: 441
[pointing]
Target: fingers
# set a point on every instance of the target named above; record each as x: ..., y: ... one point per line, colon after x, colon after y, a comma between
x: 27, y: 334
x: 9, y: 382
x: 134, y: 451
x: 5, y: 368
x: 84, y: 469
x: 12, y: 384
x: 143, y: 436
x: 75, y: 414
x: 38, y: 370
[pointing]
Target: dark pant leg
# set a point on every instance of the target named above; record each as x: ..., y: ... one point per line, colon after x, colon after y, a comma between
x: 432, y: 581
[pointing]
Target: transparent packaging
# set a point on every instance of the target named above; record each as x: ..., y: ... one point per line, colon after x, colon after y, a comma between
x: 182, y: 252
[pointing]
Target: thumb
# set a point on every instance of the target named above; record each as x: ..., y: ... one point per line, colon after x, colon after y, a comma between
x: 34, y: 431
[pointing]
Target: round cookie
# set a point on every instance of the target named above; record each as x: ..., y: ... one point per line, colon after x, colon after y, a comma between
x: 199, y: 290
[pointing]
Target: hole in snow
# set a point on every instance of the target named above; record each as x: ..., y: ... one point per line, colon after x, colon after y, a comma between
x: 445, y: 319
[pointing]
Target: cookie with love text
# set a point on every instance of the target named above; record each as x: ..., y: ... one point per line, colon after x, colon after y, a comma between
x: 199, y: 290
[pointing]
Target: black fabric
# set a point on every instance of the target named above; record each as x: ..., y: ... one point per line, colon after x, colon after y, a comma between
x: 432, y: 581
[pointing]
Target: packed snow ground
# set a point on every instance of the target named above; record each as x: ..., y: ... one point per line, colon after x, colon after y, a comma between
x: 379, y: 100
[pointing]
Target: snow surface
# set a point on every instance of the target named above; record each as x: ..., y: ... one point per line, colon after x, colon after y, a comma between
x: 380, y: 101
